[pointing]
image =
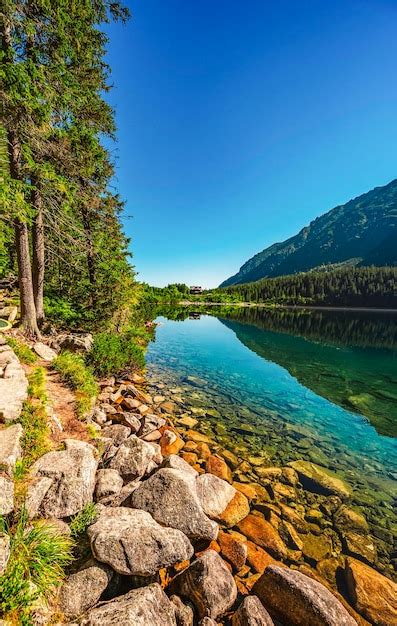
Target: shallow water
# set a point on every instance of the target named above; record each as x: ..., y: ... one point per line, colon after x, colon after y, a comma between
x: 267, y: 392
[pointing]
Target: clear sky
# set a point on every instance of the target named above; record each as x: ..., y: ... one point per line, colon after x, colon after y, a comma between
x: 240, y: 121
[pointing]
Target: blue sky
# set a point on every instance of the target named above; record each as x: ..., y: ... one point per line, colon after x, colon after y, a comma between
x: 239, y: 122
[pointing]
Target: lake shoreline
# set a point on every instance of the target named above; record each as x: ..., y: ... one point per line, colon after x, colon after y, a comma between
x: 288, y: 306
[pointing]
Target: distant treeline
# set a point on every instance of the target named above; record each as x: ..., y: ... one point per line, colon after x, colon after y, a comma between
x: 366, y: 287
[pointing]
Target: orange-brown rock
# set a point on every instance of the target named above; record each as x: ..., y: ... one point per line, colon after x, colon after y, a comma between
x: 236, y: 510
x: 170, y: 442
x: 232, y: 549
x: 203, y: 451
x: 194, y: 435
x: 190, y: 457
x: 247, y: 489
x: 190, y: 446
x: 263, y: 534
x: 373, y: 595
x: 251, y: 580
x: 258, y: 558
x: 217, y: 466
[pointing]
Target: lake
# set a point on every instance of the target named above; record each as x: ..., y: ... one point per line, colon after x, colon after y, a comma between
x: 288, y: 385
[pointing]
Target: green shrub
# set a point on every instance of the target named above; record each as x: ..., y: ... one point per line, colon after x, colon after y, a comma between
x: 114, y: 353
x: 38, y: 555
x: 82, y: 520
x: 23, y: 352
x: 61, y: 312
x: 75, y: 373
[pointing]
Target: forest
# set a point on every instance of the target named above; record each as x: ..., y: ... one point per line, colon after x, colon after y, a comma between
x: 61, y: 238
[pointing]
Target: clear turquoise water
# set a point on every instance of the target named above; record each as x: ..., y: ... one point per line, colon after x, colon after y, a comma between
x: 288, y: 419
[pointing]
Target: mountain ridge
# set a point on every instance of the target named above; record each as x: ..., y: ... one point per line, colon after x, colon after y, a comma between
x: 363, y: 231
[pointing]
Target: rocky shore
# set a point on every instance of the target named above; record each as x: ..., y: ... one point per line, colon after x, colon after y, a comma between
x: 188, y: 532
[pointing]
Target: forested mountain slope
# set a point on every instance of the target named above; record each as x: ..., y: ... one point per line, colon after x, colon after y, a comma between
x: 361, y: 232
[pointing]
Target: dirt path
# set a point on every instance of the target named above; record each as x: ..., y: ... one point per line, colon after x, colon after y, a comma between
x: 63, y: 401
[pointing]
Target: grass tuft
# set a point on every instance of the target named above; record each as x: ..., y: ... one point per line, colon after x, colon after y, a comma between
x: 82, y: 520
x: 75, y: 373
x: 39, y: 552
x: 23, y: 352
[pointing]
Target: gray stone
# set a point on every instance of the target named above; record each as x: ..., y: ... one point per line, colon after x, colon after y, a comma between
x: 13, y: 385
x: 36, y: 492
x: 72, y: 472
x: 75, y: 343
x: 10, y: 447
x: 133, y: 457
x: 251, y: 612
x: 214, y: 494
x: 150, y: 422
x: 132, y: 543
x: 123, y: 497
x: 6, y: 495
x: 183, y: 612
x: 45, y: 352
x: 176, y: 462
x: 170, y: 497
x: 208, y: 583
x: 4, y: 552
x: 296, y: 599
x: 147, y: 606
x: 82, y: 590
x: 108, y: 483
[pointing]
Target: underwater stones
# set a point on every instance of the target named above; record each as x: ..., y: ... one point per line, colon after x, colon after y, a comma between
x: 197, y: 437
x: 133, y: 543
x: 170, y: 496
x: 146, y: 606
x: 261, y: 532
x: 347, y: 519
x: 360, y: 546
x: 320, y: 480
x: 296, y: 599
x: 208, y: 583
x: 373, y: 595
x: 316, y: 548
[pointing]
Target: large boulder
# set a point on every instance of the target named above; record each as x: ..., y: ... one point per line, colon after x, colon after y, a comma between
x: 13, y: 385
x: 82, y: 590
x: 72, y: 472
x: 133, y: 458
x: 10, y: 447
x: 132, y: 543
x: 44, y: 352
x: 170, y: 496
x: 220, y: 500
x: 321, y: 480
x: 298, y: 600
x: 6, y: 495
x: 74, y: 343
x: 147, y: 606
x: 251, y: 612
x: 208, y: 583
x: 374, y: 596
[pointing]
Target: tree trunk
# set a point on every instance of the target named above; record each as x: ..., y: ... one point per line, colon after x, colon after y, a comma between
x: 28, y: 309
x: 38, y: 254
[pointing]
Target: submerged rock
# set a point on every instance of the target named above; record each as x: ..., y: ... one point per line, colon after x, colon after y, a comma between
x: 263, y: 534
x: 208, y: 583
x: 132, y: 543
x: 298, y: 600
x: 147, y: 606
x: 170, y: 496
x: 316, y: 478
x: 374, y: 596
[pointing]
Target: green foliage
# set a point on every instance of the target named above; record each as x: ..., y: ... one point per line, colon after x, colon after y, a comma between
x: 62, y: 312
x: 82, y: 520
x: 38, y: 555
x: 23, y: 352
x: 74, y: 372
x: 33, y: 418
x: 114, y: 353
x: 366, y: 287
x: 172, y: 293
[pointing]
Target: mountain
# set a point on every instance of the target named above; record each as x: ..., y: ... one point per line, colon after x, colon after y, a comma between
x: 361, y: 232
